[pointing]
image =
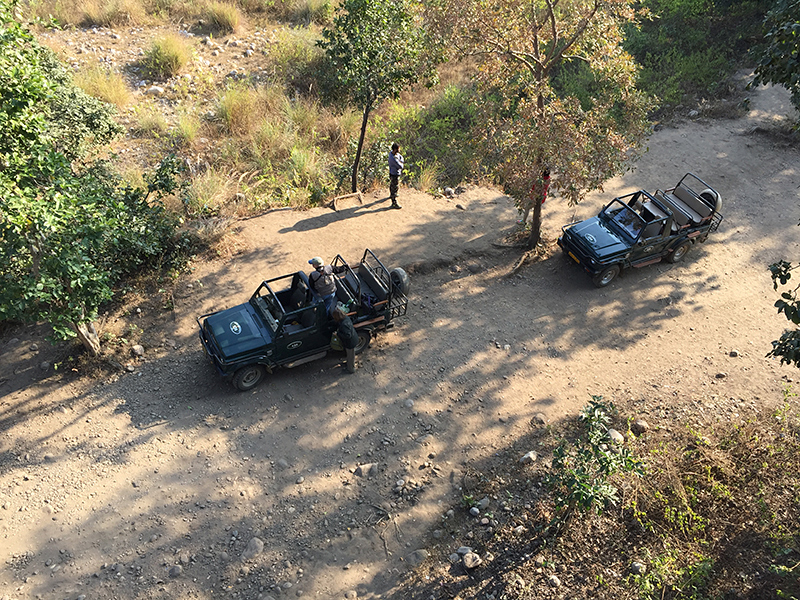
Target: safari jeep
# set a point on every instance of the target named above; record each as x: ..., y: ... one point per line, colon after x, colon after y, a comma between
x: 642, y: 228
x: 284, y: 324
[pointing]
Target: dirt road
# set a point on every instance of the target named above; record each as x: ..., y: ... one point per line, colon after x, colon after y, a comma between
x: 153, y: 483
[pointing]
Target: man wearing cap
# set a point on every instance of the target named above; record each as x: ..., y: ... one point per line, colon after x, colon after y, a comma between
x: 323, y: 282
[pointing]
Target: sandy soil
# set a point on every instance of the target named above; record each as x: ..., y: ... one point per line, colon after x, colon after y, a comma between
x: 153, y: 482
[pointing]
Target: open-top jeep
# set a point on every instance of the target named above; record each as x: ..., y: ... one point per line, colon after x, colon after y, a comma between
x: 285, y: 322
x: 640, y: 229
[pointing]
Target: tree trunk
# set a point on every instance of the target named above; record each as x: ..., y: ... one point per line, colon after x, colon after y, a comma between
x: 536, y: 224
x: 87, y: 334
x: 361, y: 137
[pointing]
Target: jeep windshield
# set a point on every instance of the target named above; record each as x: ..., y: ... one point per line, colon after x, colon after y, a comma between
x: 621, y: 219
x: 266, y: 304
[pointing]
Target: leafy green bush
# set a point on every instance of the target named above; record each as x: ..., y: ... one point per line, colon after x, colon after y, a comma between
x: 167, y: 56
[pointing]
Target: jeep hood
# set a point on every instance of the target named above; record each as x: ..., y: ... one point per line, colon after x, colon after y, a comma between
x: 237, y: 330
x: 596, y: 238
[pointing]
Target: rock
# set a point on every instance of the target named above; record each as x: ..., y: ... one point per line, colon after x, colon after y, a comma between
x: 184, y: 558
x: 154, y: 90
x: 721, y: 375
x: 539, y: 419
x: 616, y: 437
x: 639, y: 426
x: 554, y: 581
x: 130, y: 368
x: 300, y: 480
x: 693, y: 113
x: 455, y: 557
x: 733, y: 353
x: 137, y: 350
x: 528, y: 458
x: 367, y: 470
x: 409, y: 403
x: 44, y: 365
x: 417, y: 557
x: 460, y: 207
x: 176, y: 571
x: 475, y: 511
x: 471, y: 560
x: 519, y: 529
x: 350, y: 595
x: 483, y: 503
x: 462, y: 550
x: 449, y: 192
x: 254, y: 547
x: 34, y: 347
x: 282, y: 464
x: 638, y: 568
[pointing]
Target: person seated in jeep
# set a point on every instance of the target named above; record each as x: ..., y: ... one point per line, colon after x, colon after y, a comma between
x: 323, y: 282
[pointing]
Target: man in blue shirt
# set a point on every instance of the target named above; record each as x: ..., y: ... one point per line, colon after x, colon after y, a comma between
x: 395, y: 170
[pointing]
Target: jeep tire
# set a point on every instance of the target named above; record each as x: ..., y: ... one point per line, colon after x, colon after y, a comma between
x: 248, y: 377
x: 364, y: 337
x: 679, y: 251
x: 606, y: 276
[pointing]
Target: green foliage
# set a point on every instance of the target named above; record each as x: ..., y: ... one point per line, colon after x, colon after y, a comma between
x: 673, y: 573
x: 787, y: 348
x: 167, y: 56
x: 691, y: 46
x: 779, y: 61
x: 580, y: 477
x: 67, y: 241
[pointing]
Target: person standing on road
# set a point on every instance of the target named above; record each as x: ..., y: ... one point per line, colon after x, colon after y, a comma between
x: 395, y: 170
x: 323, y: 282
x: 348, y: 337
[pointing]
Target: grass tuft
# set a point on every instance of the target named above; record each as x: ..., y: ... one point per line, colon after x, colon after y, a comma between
x: 168, y: 56
x: 223, y: 17
x: 104, y: 84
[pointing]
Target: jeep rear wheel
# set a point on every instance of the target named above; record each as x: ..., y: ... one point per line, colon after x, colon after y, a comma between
x: 606, y: 276
x: 400, y: 280
x: 679, y: 252
x: 248, y: 377
x: 364, y: 337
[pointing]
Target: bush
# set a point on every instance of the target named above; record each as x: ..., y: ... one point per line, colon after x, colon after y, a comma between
x: 223, y: 17
x: 104, y: 84
x: 168, y: 55
x: 240, y: 108
x: 296, y: 59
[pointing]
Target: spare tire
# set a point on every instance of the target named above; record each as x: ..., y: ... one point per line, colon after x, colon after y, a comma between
x: 400, y: 280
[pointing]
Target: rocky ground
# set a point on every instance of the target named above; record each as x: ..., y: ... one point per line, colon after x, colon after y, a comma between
x: 157, y: 480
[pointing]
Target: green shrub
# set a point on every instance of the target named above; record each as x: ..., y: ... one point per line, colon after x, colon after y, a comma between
x: 168, y: 56
x: 223, y: 17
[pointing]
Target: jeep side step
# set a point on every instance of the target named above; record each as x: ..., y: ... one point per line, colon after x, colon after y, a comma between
x: 305, y: 360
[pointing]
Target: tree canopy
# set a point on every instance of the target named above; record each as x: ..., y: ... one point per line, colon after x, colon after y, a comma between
x: 69, y: 229
x: 531, y: 118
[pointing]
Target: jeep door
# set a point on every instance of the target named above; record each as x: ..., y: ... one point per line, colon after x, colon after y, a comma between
x: 303, y: 332
x: 649, y: 248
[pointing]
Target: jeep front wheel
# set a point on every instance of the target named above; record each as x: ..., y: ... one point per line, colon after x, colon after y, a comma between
x: 679, y: 252
x: 364, y: 337
x: 606, y: 276
x: 248, y: 377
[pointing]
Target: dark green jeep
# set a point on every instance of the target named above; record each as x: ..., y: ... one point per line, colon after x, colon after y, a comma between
x: 640, y: 229
x: 285, y: 323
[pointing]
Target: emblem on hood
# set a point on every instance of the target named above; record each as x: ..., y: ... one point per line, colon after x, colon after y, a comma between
x: 590, y: 238
x: 236, y: 328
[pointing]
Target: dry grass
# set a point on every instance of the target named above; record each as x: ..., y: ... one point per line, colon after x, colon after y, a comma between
x: 222, y: 17
x: 208, y: 193
x: 167, y: 56
x: 112, y: 13
x: 105, y: 84
x: 240, y: 107
x: 150, y: 121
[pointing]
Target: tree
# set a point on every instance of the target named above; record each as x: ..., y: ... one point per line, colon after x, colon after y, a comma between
x: 788, y: 346
x: 780, y: 59
x: 374, y: 51
x: 68, y: 230
x: 556, y: 90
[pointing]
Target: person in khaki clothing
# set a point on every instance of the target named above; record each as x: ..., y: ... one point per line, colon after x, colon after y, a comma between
x: 348, y: 337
